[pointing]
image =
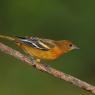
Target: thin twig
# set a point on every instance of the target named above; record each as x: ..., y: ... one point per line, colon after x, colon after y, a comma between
x: 75, y: 81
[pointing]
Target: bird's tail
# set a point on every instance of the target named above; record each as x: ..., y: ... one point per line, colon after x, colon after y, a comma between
x: 8, y: 37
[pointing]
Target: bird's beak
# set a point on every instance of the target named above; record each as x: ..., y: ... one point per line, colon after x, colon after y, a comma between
x: 75, y: 47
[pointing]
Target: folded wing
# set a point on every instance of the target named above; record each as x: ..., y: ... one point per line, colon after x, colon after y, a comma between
x: 34, y: 42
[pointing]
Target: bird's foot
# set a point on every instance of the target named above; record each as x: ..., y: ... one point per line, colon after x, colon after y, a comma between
x: 33, y: 60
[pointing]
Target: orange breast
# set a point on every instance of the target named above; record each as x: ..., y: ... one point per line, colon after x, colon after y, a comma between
x: 48, y: 55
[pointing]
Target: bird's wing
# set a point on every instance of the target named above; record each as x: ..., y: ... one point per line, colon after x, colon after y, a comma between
x: 34, y: 42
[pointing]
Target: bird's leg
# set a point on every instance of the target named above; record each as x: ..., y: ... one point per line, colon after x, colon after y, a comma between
x: 33, y: 60
x: 30, y: 57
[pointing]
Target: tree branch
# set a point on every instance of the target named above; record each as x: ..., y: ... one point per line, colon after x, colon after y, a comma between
x: 48, y: 69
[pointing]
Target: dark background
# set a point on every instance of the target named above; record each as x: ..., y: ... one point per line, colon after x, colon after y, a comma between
x: 54, y: 19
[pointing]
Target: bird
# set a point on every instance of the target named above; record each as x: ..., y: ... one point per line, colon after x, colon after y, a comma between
x: 41, y: 48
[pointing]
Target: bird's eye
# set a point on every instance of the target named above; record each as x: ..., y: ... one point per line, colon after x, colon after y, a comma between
x: 70, y: 45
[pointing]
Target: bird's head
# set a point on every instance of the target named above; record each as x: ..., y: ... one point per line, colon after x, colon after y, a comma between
x: 67, y: 46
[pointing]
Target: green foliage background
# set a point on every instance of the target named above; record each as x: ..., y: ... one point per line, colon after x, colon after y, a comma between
x: 54, y: 19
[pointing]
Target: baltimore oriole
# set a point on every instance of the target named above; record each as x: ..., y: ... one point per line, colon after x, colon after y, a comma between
x: 40, y: 48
